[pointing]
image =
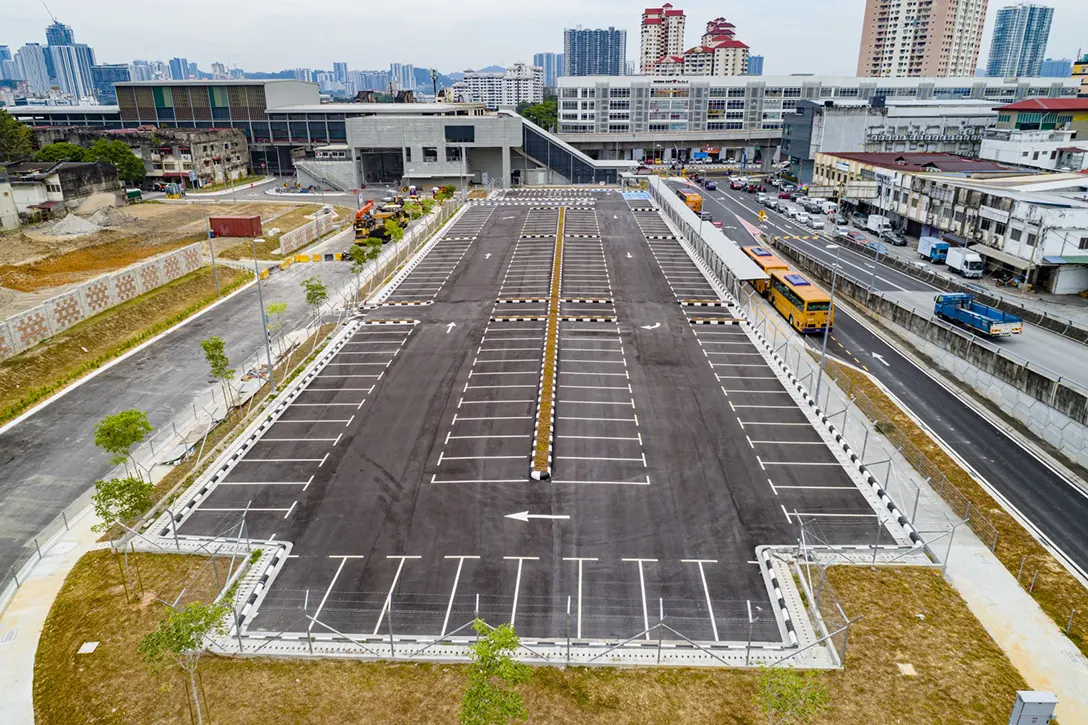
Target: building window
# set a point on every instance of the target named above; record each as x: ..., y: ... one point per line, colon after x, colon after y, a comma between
x: 430, y: 153
x: 1032, y: 239
x: 407, y: 154
x: 453, y: 153
x: 619, y: 92
x: 985, y: 224
x: 736, y: 93
x: 1015, y: 235
x: 1083, y: 243
x: 460, y: 134
x: 999, y: 229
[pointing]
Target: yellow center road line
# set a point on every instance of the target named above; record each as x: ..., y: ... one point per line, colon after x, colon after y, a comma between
x: 545, y: 413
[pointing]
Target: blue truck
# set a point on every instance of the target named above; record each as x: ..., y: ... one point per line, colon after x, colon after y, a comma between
x: 933, y: 249
x: 962, y: 308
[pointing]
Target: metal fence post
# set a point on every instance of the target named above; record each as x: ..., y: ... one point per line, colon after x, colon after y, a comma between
x: 14, y: 576
x: 65, y: 518
x: 1022, y: 561
x: 568, y: 629
x: 1033, y: 579
x: 1069, y: 626
x: 864, y: 444
x: 38, y: 548
x: 660, y: 626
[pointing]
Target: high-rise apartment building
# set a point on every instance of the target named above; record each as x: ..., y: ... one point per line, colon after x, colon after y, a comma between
x: 30, y: 60
x: 179, y: 69
x: 552, y: 63
x: 937, y: 38
x: 502, y: 90
x: 662, y: 35
x: 1018, y: 45
x: 755, y: 65
x: 5, y: 53
x: 340, y: 70
x: 1056, y: 68
x: 140, y: 70
x: 402, y: 76
x: 597, y: 52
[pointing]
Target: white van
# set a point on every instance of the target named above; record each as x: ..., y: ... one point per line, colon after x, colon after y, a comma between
x: 828, y: 207
x: 803, y: 218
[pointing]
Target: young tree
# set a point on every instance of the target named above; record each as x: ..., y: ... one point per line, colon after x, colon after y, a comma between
x: 120, y: 499
x: 316, y: 293
x: 179, y: 640
x: 394, y: 231
x: 427, y: 205
x: 117, y: 434
x: 129, y: 167
x: 490, y: 698
x: 274, y: 316
x: 413, y: 210
x: 362, y: 255
x: 219, y: 364
x: 60, y: 152
x: 790, y: 697
x: 16, y: 139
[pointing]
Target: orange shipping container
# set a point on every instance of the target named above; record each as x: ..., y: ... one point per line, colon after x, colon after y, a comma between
x: 236, y: 226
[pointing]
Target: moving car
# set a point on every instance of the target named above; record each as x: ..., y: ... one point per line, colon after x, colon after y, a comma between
x: 840, y: 232
x: 877, y: 247
x: 856, y: 237
x: 717, y: 224
x: 710, y: 185
x: 893, y: 237
x: 736, y: 185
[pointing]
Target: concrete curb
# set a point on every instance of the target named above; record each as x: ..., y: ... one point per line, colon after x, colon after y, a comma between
x: 416, y: 259
x: 712, y: 321
x: 587, y: 319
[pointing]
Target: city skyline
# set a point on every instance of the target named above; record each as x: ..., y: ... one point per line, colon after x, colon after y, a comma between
x: 479, y: 33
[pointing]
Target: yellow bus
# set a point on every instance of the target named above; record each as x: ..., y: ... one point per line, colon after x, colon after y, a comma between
x: 768, y: 263
x: 693, y: 200
x: 805, y: 305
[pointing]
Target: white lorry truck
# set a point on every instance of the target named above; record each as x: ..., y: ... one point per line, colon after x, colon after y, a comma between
x: 877, y: 223
x: 964, y: 261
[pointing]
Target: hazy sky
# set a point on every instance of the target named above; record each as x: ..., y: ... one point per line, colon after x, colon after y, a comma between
x: 811, y: 36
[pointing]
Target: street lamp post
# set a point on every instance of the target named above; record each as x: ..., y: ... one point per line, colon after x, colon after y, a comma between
x: 830, y: 316
x: 264, y: 326
x: 211, y: 246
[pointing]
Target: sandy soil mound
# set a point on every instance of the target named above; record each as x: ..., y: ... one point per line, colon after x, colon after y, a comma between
x: 72, y: 225
x: 111, y: 216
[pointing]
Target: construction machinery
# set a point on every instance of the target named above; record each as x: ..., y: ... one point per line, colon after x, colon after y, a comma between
x: 365, y: 225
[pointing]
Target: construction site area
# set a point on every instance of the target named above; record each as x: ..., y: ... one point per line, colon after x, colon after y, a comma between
x: 44, y: 260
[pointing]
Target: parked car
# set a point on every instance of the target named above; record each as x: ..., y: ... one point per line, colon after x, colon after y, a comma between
x: 771, y: 204
x: 785, y: 195
x: 736, y: 185
x: 860, y: 221
x: 816, y: 222
x: 841, y: 220
x: 717, y: 225
x: 706, y: 216
x: 803, y: 218
x: 877, y: 247
x: 761, y: 197
x: 894, y: 238
x: 840, y: 232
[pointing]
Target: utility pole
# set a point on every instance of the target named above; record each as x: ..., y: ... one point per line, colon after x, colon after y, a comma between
x: 211, y: 246
x: 434, y: 83
x: 830, y: 317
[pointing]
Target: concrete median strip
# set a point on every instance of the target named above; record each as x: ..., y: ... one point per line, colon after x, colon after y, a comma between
x: 544, y: 433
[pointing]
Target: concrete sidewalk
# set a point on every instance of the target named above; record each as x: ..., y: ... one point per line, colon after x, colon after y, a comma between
x: 1035, y: 645
x: 22, y: 623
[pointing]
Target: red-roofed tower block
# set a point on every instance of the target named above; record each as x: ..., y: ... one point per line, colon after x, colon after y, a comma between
x: 662, y: 35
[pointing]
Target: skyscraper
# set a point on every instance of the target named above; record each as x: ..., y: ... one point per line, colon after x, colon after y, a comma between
x: 662, y: 34
x: 140, y: 70
x: 1057, y: 68
x: 937, y: 38
x: 600, y: 52
x: 5, y: 53
x: 59, y: 34
x: 552, y: 63
x: 104, y: 76
x: 179, y: 69
x: 340, y: 70
x: 402, y: 76
x: 755, y: 65
x: 31, y: 62
x: 1019, y: 40
x: 67, y: 71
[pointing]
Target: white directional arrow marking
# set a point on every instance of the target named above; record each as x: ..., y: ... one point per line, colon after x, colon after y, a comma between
x: 525, y: 516
x: 629, y: 255
x: 881, y: 359
x: 487, y: 256
x: 450, y: 327
x: 652, y: 327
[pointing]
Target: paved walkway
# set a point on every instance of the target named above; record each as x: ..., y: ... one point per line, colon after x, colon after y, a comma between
x: 21, y: 625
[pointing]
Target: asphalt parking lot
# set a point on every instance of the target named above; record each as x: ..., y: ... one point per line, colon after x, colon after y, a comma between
x: 401, y: 471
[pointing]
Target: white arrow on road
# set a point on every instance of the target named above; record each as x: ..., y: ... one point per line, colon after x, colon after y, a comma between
x: 525, y: 516
x: 629, y: 255
x: 450, y: 327
x: 652, y: 327
x: 487, y: 256
x: 881, y: 359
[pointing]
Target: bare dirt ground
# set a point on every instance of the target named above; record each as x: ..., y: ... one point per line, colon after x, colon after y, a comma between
x: 35, y: 265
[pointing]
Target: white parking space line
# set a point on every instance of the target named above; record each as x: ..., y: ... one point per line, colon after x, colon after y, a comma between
x: 580, y: 561
x: 453, y: 591
x: 317, y: 613
x: 706, y: 590
x: 517, y: 584
x: 389, y: 596
x: 642, y: 588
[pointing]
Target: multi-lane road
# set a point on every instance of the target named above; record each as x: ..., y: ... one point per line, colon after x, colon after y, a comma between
x: 1055, y: 506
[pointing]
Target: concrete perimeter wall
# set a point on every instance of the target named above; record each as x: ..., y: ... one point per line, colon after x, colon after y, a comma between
x: 28, y: 328
x: 305, y: 234
x: 1053, y: 409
